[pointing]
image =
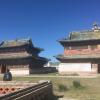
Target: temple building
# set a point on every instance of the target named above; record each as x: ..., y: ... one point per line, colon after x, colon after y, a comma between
x: 81, y: 52
x: 21, y: 57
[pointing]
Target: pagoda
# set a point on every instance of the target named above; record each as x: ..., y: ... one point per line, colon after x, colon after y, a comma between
x: 81, y: 52
x: 21, y: 57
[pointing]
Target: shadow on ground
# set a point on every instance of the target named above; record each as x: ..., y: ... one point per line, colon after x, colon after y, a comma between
x: 56, y: 97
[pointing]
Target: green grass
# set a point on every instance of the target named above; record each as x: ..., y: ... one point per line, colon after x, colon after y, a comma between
x: 47, y: 74
x: 62, y: 87
x: 90, y: 86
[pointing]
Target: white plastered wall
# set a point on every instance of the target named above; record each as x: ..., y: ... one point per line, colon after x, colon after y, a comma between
x: 75, y: 67
x: 19, y: 71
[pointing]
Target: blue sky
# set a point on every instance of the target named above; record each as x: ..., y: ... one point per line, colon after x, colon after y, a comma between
x: 46, y: 21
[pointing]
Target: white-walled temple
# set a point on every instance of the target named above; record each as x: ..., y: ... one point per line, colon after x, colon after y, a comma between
x: 81, y: 52
x: 21, y: 57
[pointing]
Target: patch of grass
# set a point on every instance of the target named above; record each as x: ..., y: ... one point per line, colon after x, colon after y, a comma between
x: 62, y: 87
x: 70, y: 74
x: 76, y: 84
x: 90, y: 92
x: 46, y: 74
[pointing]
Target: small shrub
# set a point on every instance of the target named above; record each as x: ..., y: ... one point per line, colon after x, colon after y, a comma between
x: 62, y: 87
x: 74, y: 74
x: 76, y: 84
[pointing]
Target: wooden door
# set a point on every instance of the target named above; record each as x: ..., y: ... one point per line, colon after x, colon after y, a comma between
x: 3, y: 68
x: 98, y: 68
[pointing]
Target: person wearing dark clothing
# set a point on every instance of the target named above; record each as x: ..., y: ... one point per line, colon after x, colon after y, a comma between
x: 7, y: 76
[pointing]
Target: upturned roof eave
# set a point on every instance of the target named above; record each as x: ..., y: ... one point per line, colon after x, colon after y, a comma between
x: 79, y: 57
x: 77, y: 41
x: 11, y: 46
x: 39, y: 49
x: 6, y: 58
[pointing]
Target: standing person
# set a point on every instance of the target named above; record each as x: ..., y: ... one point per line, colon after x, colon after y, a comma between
x: 7, y: 76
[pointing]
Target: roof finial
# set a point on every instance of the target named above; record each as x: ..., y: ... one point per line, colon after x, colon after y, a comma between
x: 95, y: 26
x: 16, y: 39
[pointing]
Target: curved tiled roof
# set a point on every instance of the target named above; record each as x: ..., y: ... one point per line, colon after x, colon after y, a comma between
x: 93, y: 34
x: 85, y: 35
x: 17, y: 43
x: 13, y: 43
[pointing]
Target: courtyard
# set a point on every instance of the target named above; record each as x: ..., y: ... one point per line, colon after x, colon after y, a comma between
x: 63, y: 86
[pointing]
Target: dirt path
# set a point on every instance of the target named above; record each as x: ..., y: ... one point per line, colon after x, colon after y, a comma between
x: 58, y: 76
x: 66, y: 99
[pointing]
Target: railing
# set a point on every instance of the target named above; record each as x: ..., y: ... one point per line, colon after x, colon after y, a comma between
x: 41, y: 91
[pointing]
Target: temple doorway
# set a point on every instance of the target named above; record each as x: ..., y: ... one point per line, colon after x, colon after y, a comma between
x: 3, y: 68
x: 98, y: 68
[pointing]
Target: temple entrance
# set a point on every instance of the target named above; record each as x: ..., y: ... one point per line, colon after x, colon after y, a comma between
x: 3, y: 68
x: 98, y: 68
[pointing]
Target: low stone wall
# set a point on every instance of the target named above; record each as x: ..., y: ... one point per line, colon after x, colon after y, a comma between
x: 40, y: 91
x: 7, y: 87
x: 43, y: 70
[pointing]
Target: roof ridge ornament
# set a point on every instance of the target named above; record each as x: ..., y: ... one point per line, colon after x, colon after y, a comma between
x: 96, y: 27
